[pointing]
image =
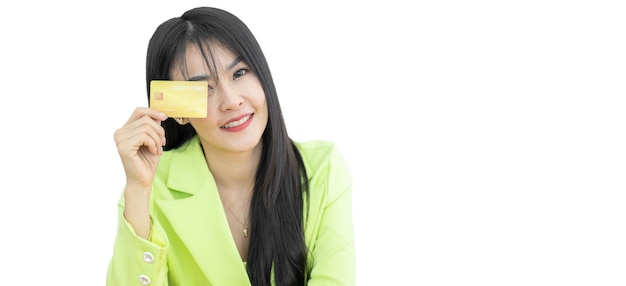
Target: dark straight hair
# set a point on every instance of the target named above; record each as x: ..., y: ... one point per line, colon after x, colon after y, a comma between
x: 276, y: 208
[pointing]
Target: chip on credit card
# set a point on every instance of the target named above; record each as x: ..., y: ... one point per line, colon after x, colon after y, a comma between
x: 179, y: 98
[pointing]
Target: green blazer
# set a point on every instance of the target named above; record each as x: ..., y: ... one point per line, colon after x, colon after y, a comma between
x: 191, y: 243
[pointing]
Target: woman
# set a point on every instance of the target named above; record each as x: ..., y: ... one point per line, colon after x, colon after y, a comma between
x: 228, y: 199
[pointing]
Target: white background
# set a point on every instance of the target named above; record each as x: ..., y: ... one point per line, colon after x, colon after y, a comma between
x: 486, y: 139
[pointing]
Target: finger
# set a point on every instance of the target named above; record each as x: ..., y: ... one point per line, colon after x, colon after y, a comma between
x: 146, y: 111
x: 156, y: 135
x: 152, y: 128
x: 132, y: 143
x: 141, y: 124
x: 143, y: 132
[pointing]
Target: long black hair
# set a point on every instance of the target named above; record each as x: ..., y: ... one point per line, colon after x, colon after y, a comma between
x: 276, y: 209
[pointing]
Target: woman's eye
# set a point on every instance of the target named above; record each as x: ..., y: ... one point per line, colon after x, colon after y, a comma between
x: 239, y: 73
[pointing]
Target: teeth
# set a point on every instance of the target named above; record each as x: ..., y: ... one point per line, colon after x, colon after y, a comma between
x: 237, y: 123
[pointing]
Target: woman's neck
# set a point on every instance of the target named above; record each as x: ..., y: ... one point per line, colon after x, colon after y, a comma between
x: 234, y: 171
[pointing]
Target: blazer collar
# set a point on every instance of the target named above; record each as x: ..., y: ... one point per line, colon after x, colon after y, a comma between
x: 188, y: 167
x: 199, y: 220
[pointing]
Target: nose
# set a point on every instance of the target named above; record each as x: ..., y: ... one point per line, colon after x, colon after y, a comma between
x: 231, y: 98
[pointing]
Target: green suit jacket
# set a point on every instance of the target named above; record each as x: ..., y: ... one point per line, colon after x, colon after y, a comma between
x: 191, y: 243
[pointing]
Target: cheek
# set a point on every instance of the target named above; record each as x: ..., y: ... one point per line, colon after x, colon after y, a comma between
x: 211, y: 104
x: 258, y: 95
x: 200, y: 123
x: 260, y: 104
x: 253, y: 86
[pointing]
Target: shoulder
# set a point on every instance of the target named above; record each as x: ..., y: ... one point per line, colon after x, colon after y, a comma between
x: 318, y: 154
x: 326, y: 166
x: 316, y: 150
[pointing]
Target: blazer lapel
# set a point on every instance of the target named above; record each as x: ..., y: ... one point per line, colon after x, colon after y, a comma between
x: 199, y: 220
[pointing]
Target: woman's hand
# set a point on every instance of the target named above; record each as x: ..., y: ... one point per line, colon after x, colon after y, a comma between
x: 140, y: 144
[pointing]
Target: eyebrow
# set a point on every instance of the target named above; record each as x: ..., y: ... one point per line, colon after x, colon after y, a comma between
x: 236, y: 61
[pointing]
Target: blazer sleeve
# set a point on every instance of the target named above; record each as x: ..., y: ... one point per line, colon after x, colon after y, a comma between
x: 137, y: 261
x: 333, y: 254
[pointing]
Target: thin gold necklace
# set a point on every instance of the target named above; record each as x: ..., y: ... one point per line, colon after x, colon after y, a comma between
x: 245, y: 225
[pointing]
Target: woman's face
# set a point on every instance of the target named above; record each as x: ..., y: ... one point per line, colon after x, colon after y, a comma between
x: 236, y: 111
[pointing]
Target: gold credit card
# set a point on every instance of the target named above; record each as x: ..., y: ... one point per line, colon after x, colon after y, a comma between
x: 179, y: 98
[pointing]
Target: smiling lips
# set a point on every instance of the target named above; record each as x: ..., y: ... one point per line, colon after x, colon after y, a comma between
x: 238, y: 125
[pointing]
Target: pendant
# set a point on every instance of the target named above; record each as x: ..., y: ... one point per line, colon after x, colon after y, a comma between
x: 245, y: 232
